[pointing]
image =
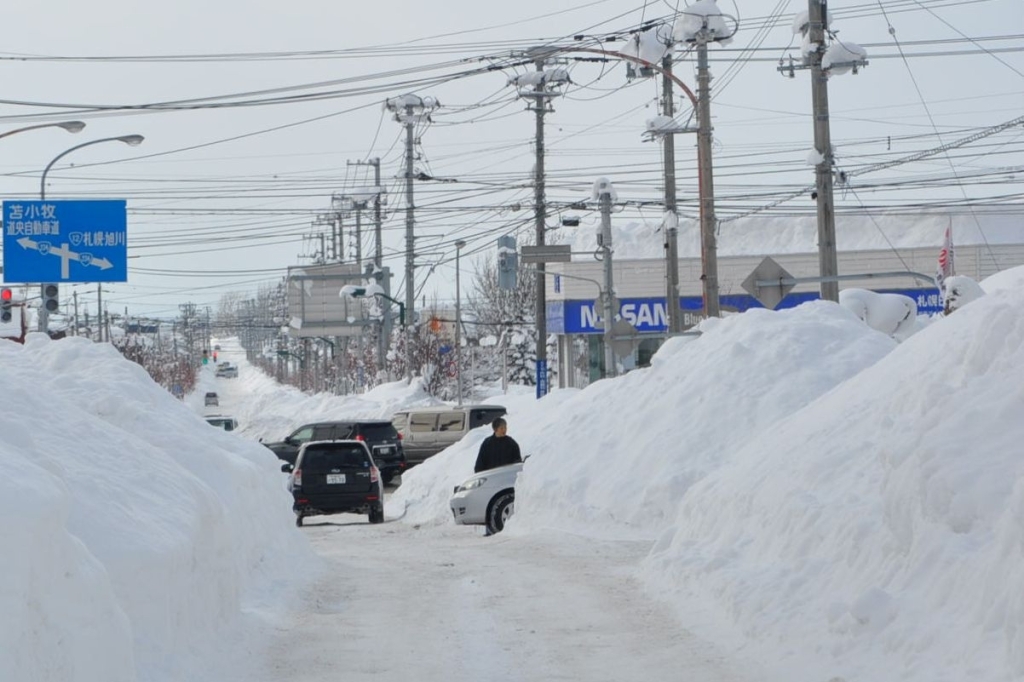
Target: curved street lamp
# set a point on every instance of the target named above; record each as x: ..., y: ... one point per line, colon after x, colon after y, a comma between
x: 70, y: 126
x: 130, y: 140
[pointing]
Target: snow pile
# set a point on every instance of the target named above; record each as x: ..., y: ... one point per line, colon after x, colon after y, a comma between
x: 693, y: 18
x: 959, y: 290
x: 603, y: 186
x: 133, y: 533
x: 651, y: 45
x: 842, y: 56
x: 876, y: 534
x: 617, y: 457
x: 892, y: 314
x: 269, y: 411
x: 759, y: 235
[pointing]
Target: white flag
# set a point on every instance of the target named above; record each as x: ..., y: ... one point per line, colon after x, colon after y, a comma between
x: 946, y: 267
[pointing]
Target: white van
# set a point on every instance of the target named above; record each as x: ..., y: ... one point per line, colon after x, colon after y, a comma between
x: 427, y: 431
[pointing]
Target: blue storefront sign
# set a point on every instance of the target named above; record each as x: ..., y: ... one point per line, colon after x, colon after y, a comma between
x: 542, y: 378
x: 65, y: 241
x: 649, y: 315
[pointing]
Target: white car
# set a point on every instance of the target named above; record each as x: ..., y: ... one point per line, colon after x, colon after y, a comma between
x: 487, y: 498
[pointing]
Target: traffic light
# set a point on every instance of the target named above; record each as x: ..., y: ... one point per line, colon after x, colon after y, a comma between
x: 6, y: 298
x: 50, y: 302
x: 508, y: 262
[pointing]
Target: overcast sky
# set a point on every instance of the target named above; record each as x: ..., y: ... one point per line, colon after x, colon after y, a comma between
x: 189, y: 184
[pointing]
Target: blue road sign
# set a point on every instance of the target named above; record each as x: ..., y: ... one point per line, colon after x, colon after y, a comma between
x: 542, y: 378
x: 65, y: 241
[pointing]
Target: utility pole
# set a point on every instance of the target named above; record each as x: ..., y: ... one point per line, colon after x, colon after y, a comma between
x: 99, y: 307
x: 849, y: 57
x: 544, y: 84
x: 359, y: 232
x: 708, y: 221
x: 608, y: 295
x: 539, y: 212
x: 378, y: 247
x: 458, y: 316
x: 74, y: 295
x: 671, y: 226
x: 410, y: 110
x: 828, y: 261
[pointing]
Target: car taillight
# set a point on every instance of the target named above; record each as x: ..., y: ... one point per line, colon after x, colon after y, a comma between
x: 399, y: 435
x: 297, y: 478
x: 374, y: 475
x: 361, y: 438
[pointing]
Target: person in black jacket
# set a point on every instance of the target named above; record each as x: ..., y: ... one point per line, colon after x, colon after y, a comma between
x: 498, y: 449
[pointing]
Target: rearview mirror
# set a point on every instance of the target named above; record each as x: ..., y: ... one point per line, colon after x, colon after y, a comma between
x: 287, y: 468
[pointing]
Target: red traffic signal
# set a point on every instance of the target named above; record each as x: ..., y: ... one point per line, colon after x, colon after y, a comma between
x: 6, y: 296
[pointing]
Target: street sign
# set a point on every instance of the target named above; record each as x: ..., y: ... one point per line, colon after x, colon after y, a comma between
x: 549, y: 253
x: 542, y: 378
x: 768, y: 296
x: 314, y: 307
x: 65, y: 241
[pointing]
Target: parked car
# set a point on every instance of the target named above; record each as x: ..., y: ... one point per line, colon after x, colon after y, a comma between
x: 380, y: 437
x: 221, y: 422
x: 335, y: 477
x: 211, y: 399
x: 487, y: 498
x: 429, y: 430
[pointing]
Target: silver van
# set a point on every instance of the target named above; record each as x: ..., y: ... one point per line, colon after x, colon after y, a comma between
x: 427, y: 431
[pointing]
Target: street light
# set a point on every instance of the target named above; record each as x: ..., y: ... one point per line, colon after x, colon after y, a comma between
x: 376, y: 290
x: 73, y: 126
x: 458, y: 318
x: 130, y: 140
x: 70, y: 126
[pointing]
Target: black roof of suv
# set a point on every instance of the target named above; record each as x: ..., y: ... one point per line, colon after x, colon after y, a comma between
x: 380, y: 437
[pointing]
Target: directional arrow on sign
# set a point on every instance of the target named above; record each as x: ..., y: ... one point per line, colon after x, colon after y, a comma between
x: 66, y: 255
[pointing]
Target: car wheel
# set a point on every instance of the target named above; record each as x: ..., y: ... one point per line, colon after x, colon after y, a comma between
x: 500, y: 512
x: 298, y: 520
x: 376, y: 515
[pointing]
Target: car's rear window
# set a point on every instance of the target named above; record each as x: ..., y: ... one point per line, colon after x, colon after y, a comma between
x: 378, y: 431
x: 326, y: 457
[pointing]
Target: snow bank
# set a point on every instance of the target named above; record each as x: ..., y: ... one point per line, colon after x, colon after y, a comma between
x: 133, y: 533
x: 616, y: 458
x: 892, y: 314
x: 876, y: 534
x: 271, y: 411
x: 758, y: 235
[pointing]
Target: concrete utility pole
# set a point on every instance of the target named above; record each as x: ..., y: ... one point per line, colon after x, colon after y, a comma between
x: 410, y: 218
x: 539, y: 213
x: 359, y: 232
x: 74, y: 295
x: 675, y: 317
x: 99, y: 307
x: 849, y: 56
x: 410, y: 110
x: 705, y: 136
x: 544, y: 84
x: 827, y: 257
x: 378, y: 248
x: 608, y: 295
x: 458, y: 316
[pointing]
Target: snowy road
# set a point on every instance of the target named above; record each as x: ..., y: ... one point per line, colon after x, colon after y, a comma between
x: 400, y: 603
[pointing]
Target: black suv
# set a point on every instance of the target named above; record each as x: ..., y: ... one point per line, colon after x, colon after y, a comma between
x: 380, y: 437
x: 335, y: 477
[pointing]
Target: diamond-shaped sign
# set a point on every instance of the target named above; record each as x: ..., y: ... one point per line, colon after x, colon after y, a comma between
x: 769, y: 295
